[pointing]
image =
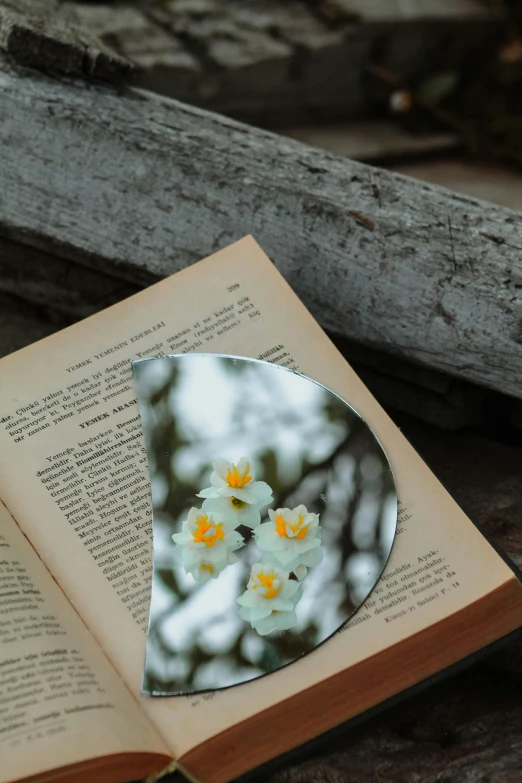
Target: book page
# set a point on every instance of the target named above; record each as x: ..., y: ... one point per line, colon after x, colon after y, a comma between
x: 73, y: 470
x: 60, y: 700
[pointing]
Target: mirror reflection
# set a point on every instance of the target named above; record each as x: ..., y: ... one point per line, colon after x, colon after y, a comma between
x: 274, y: 512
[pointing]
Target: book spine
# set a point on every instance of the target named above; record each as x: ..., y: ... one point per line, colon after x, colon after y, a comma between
x: 170, y: 769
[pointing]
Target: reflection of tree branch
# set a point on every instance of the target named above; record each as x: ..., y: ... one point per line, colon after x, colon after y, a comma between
x: 160, y: 618
x: 316, y: 467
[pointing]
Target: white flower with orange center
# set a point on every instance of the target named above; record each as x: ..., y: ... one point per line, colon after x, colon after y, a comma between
x: 236, y: 511
x: 203, y: 570
x: 291, y: 540
x: 269, y: 601
x: 234, y: 494
x: 206, y: 545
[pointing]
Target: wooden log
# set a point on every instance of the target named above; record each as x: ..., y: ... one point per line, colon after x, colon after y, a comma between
x: 500, y: 184
x: 69, y: 290
x: 269, y: 61
x: 380, y: 142
x: 152, y: 49
x: 22, y: 324
x: 280, y: 61
x: 465, y: 730
x: 76, y: 291
x: 137, y: 186
x: 482, y: 475
x: 46, y: 34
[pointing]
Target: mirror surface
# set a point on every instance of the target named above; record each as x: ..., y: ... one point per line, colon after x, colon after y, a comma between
x: 277, y: 494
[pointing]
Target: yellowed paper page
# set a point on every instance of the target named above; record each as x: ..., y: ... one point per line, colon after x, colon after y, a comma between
x: 71, y: 453
x: 60, y: 700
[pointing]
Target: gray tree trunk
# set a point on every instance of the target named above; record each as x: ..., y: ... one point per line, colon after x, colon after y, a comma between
x: 130, y: 187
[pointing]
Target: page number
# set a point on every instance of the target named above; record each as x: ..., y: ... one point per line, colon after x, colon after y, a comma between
x: 232, y: 287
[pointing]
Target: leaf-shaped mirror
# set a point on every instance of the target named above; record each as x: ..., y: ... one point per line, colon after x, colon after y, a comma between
x: 274, y: 513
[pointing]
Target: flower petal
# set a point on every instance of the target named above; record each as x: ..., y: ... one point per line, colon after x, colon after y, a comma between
x: 290, y: 589
x: 267, y: 544
x: 221, y: 467
x: 261, y: 492
x: 243, y: 466
x: 284, y: 620
x: 201, y: 576
x: 260, y: 612
x: 263, y: 627
x: 250, y: 516
x: 313, y: 557
x: 280, y: 605
x: 247, y: 599
x: 285, y: 557
x: 209, y: 492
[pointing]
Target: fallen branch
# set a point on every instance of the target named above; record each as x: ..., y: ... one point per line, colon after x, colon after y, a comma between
x: 135, y: 186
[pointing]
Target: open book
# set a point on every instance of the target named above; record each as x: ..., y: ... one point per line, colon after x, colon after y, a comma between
x: 75, y: 550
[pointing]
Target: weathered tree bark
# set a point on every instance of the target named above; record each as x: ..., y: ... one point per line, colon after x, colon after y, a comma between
x: 136, y: 187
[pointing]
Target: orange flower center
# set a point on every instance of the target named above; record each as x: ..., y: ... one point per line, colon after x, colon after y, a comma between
x: 207, y: 567
x: 267, y: 581
x: 281, y: 525
x: 207, y: 533
x: 238, y: 480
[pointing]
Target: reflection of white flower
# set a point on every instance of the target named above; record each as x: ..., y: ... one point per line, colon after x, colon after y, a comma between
x: 292, y: 540
x: 203, y: 570
x: 268, y: 602
x: 236, y: 511
x: 206, y: 545
x: 234, y: 494
x: 229, y: 480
